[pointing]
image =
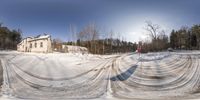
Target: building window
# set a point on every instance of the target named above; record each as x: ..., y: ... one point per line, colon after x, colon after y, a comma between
x: 41, y: 44
x: 31, y: 45
x: 35, y: 45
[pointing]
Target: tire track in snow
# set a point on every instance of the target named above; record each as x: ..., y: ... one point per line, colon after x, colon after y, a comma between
x: 176, y: 76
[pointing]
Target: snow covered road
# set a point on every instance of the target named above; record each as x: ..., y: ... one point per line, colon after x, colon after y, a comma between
x: 74, y: 76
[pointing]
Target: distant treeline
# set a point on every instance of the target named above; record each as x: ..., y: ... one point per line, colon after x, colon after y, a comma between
x: 106, y: 46
x: 99, y: 42
x: 186, y: 38
x: 183, y: 38
x: 9, y: 38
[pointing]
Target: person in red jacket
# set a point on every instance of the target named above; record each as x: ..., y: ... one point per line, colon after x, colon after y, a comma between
x: 139, y: 49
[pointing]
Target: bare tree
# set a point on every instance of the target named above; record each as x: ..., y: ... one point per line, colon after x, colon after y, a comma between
x: 154, y: 32
x: 73, y: 32
x: 152, y: 29
x: 95, y: 35
x: 57, y: 44
x: 91, y: 34
x: 111, y: 34
x: 1, y: 24
x: 103, y: 37
x: 74, y: 37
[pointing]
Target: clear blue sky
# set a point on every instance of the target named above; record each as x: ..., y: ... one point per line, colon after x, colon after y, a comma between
x: 126, y: 17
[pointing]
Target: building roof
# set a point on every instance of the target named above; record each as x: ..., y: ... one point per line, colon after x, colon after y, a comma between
x: 43, y: 36
x: 40, y: 37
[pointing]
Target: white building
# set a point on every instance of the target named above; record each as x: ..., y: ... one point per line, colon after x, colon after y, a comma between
x: 41, y: 43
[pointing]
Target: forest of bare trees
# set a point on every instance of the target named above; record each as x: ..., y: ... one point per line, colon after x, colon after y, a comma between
x: 158, y: 40
x: 90, y: 37
x: 184, y: 38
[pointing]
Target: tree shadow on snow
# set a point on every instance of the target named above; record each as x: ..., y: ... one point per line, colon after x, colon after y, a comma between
x: 125, y: 75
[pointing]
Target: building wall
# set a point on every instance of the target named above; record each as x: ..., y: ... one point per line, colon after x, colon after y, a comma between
x: 39, y: 46
x: 35, y: 45
x: 49, y: 45
x: 24, y: 45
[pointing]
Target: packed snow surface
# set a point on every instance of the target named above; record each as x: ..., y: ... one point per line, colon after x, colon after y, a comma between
x: 55, y: 76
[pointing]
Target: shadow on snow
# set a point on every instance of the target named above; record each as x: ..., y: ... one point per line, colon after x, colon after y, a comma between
x: 125, y: 75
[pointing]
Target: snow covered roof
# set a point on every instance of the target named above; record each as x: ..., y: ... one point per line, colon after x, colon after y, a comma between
x: 24, y: 40
x: 43, y: 37
x: 39, y: 37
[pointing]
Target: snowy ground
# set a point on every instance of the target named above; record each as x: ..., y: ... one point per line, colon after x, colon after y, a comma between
x: 58, y: 76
